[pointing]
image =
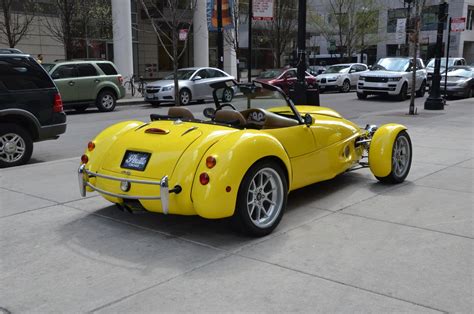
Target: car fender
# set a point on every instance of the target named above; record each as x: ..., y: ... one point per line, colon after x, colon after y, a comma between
x: 106, y: 84
x: 381, y: 147
x: 234, y: 154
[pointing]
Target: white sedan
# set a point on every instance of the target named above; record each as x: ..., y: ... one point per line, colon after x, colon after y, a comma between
x: 341, y: 77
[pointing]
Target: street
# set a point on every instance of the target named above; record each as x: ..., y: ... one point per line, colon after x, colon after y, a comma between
x: 350, y: 244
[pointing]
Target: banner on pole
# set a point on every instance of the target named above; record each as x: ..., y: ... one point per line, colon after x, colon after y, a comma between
x: 400, y: 31
x: 262, y: 10
x: 458, y: 24
x: 183, y: 34
x: 227, y: 15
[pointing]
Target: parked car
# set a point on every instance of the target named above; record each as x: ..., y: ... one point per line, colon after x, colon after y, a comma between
x: 460, y: 82
x: 284, y: 78
x: 315, y: 70
x: 31, y: 109
x: 9, y: 50
x: 392, y: 76
x: 431, y: 64
x: 341, y: 77
x: 87, y: 82
x: 194, y: 84
x: 240, y: 162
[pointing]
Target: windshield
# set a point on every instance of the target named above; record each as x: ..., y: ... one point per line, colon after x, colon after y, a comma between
x: 460, y: 72
x: 270, y: 74
x: 182, y: 75
x: 392, y: 64
x: 431, y: 64
x: 337, y: 69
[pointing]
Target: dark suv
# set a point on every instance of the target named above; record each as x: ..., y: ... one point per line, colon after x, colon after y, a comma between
x: 31, y: 109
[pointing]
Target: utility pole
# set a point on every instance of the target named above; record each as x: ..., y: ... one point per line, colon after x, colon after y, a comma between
x: 300, y: 86
x: 249, y: 54
x: 447, y: 61
x: 434, y: 100
x: 220, y: 37
x: 415, y: 31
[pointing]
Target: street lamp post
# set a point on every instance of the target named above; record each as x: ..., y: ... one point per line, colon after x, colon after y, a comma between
x: 220, y: 37
x: 435, y: 101
x: 300, y: 86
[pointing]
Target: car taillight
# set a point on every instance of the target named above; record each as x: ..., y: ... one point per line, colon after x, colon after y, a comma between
x: 58, y: 103
x: 211, y: 162
x: 120, y: 79
x: 90, y: 146
x: 84, y: 159
x: 204, y: 178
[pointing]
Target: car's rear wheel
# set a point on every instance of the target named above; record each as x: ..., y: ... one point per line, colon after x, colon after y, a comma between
x: 81, y: 108
x: 361, y: 95
x: 227, y: 95
x: 106, y: 101
x: 403, y: 92
x: 261, y: 200
x: 422, y: 90
x: 346, y: 86
x: 401, y: 159
x: 16, y: 145
x: 184, y: 97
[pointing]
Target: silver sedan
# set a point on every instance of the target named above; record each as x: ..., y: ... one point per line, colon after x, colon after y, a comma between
x: 194, y: 84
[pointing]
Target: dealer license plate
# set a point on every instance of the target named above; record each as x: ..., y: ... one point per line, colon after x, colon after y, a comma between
x: 135, y: 160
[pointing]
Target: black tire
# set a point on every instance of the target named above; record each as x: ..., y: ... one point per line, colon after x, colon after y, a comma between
x: 185, y: 97
x: 396, y: 176
x: 227, y: 95
x: 361, y: 95
x: 16, y: 145
x: 403, y: 92
x: 346, y: 86
x: 469, y: 93
x: 154, y: 103
x: 81, y: 108
x: 106, y: 101
x: 422, y: 90
x: 243, y: 220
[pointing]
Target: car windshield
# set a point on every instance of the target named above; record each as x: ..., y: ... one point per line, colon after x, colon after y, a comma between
x: 47, y: 66
x: 182, y: 75
x: 392, y: 64
x: 269, y: 74
x: 460, y: 72
x: 431, y: 64
x: 337, y: 69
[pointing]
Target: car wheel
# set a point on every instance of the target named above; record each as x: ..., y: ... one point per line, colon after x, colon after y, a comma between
x: 184, y: 97
x: 261, y: 200
x: 469, y: 93
x: 361, y: 95
x: 401, y: 159
x: 227, y: 95
x: 422, y: 90
x: 81, y: 108
x: 346, y: 86
x: 16, y: 145
x: 106, y: 101
x: 403, y: 92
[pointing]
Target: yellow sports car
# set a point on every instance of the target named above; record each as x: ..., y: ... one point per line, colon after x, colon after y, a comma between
x: 240, y: 161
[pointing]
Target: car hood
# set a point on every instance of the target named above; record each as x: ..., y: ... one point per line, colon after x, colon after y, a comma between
x: 329, y: 75
x: 162, y: 83
x: 166, y: 144
x: 380, y: 73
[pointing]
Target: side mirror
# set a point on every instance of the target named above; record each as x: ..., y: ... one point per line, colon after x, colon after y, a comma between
x: 369, y: 67
x: 308, y: 119
x: 209, y: 113
x: 197, y: 78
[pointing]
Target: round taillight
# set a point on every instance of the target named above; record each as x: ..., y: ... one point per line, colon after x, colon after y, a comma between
x: 228, y: 189
x: 204, y: 178
x: 90, y: 146
x: 211, y: 162
x: 84, y: 159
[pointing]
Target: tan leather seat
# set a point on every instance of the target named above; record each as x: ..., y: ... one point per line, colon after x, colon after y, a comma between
x: 275, y: 121
x: 181, y: 112
x: 230, y: 116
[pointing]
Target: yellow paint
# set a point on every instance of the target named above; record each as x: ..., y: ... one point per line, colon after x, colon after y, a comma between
x: 381, y: 147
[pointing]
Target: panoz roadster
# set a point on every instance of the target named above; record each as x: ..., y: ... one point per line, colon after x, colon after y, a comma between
x: 240, y: 161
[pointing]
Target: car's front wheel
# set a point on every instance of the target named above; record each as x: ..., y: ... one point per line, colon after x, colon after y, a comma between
x: 16, y: 145
x: 261, y: 200
x: 184, y: 97
x: 403, y: 92
x: 106, y: 101
x: 422, y: 90
x: 227, y: 95
x: 346, y: 86
x: 401, y: 159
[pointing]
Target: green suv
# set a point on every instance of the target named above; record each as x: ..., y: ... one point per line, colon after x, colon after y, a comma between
x: 85, y: 82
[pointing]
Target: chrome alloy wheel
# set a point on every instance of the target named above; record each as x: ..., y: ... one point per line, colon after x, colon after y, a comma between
x: 12, y: 147
x: 227, y: 97
x: 265, y: 197
x: 346, y: 86
x: 401, y: 156
x: 185, y: 97
x: 107, y: 101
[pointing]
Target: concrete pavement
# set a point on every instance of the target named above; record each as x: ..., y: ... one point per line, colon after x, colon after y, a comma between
x: 346, y: 245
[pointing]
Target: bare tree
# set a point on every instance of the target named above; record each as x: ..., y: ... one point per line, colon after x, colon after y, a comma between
x: 15, y: 24
x: 352, y: 24
x: 168, y: 18
x: 280, y: 31
x: 231, y: 36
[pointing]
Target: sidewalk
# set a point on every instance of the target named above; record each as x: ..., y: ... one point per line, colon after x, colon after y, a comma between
x: 346, y: 245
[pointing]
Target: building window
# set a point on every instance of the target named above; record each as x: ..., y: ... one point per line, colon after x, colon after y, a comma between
x: 393, y: 16
x: 429, y: 18
x: 470, y: 18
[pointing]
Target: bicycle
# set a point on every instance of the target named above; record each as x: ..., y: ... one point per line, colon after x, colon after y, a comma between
x: 133, y: 86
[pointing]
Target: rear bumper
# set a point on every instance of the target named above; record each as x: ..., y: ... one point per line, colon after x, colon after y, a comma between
x: 51, y: 131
